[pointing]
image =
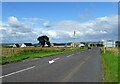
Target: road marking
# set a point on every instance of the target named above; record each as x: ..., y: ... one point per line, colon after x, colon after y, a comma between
x: 70, y: 55
x: 52, y: 61
x: 76, y: 69
x: 17, y: 72
x: 70, y: 75
x: 87, y: 58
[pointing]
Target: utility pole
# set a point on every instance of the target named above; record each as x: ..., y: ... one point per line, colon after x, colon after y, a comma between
x: 74, y: 38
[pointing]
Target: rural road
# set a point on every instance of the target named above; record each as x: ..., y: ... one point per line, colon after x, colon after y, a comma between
x: 82, y: 66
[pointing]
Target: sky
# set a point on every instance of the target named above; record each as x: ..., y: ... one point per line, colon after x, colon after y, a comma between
x: 26, y: 21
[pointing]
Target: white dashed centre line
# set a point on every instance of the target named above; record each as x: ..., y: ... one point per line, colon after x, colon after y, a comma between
x: 52, y: 61
x: 17, y: 72
x: 70, y: 55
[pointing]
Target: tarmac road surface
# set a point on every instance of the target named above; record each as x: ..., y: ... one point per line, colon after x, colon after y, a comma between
x: 80, y: 66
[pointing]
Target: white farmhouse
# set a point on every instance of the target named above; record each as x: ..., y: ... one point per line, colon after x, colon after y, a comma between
x: 109, y: 43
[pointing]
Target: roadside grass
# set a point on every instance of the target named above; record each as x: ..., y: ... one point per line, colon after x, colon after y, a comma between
x: 34, y: 53
x: 110, y: 65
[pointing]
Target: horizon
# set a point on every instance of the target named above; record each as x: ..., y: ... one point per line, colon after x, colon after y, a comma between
x: 93, y: 21
x: 61, y: 42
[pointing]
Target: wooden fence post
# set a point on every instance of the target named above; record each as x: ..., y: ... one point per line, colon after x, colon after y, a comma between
x: 104, y: 49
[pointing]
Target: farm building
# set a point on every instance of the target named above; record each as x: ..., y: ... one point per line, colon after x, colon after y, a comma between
x: 117, y: 43
x: 16, y: 45
x: 75, y: 44
x: 82, y: 45
x: 78, y: 44
x: 109, y: 43
x: 61, y: 44
x: 27, y: 45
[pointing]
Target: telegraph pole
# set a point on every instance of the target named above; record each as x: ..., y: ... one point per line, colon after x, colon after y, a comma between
x: 74, y: 38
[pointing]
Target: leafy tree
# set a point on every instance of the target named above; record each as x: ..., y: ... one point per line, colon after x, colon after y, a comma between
x: 44, y: 40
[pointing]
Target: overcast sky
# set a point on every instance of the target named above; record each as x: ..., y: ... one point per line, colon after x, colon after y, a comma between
x: 92, y: 21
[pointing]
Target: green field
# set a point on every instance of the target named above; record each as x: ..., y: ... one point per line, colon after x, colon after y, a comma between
x: 110, y: 65
x: 19, y: 54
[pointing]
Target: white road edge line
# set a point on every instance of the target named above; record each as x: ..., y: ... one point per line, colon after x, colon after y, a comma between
x: 70, y: 55
x: 52, y: 61
x: 17, y: 72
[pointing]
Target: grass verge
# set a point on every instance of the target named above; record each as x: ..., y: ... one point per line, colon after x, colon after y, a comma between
x: 36, y: 53
x: 110, y: 65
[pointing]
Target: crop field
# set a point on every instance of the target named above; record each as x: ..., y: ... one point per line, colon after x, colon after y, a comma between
x: 11, y: 51
x: 17, y: 54
x: 110, y: 64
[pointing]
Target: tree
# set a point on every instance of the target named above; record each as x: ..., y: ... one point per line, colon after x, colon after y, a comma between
x: 44, y: 40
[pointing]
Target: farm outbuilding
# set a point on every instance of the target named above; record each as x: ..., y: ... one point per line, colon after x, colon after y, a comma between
x: 16, y: 45
x: 82, y: 45
x: 109, y: 43
x: 61, y: 44
x: 27, y: 45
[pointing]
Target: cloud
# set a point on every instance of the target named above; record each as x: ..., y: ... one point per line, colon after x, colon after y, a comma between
x: 46, y: 24
x: 99, y: 28
x: 36, y: 22
x: 51, y: 33
x: 13, y: 21
x: 15, y: 31
x: 62, y: 31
